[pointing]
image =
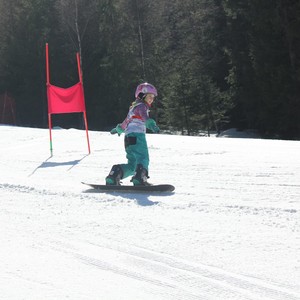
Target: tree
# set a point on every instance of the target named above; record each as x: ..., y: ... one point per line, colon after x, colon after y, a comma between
x: 25, y: 27
x: 197, y: 66
x: 261, y: 77
x: 216, y: 63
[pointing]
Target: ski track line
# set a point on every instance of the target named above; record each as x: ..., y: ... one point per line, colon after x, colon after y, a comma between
x: 175, y: 289
x: 251, y: 287
x: 168, y: 287
x: 142, y: 276
x: 194, y: 280
x: 44, y: 192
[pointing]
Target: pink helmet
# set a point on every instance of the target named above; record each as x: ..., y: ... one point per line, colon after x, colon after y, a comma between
x: 145, y: 88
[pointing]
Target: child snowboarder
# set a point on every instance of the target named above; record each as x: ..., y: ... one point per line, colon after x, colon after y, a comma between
x: 136, y: 148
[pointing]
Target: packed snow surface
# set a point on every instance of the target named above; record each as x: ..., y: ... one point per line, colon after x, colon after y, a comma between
x: 229, y: 231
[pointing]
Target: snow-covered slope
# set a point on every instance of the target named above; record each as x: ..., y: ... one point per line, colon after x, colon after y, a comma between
x: 230, y: 230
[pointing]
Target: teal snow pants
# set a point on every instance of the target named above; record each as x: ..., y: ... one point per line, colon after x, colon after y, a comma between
x: 136, y: 153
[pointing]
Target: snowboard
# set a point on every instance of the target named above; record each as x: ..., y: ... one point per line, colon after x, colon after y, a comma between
x: 132, y: 188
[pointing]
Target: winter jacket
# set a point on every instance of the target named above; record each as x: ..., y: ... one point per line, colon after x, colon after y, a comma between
x: 136, y: 118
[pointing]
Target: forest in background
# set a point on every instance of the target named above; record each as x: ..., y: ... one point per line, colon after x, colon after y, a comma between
x: 216, y: 64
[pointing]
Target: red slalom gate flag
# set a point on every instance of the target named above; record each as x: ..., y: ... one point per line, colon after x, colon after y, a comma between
x: 65, y: 100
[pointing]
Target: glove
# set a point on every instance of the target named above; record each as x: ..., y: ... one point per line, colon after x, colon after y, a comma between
x: 118, y: 129
x: 151, y: 124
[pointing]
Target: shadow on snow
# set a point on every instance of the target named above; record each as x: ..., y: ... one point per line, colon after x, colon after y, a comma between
x: 52, y: 164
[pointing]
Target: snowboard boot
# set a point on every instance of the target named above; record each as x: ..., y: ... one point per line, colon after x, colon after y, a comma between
x: 114, y: 176
x: 140, y: 177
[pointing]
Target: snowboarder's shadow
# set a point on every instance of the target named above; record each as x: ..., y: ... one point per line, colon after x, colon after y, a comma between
x: 142, y: 199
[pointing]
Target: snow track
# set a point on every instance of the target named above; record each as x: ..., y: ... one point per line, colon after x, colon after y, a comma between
x: 180, y: 279
x: 230, y: 230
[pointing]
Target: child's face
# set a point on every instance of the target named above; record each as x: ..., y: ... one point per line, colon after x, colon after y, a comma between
x: 149, y: 98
